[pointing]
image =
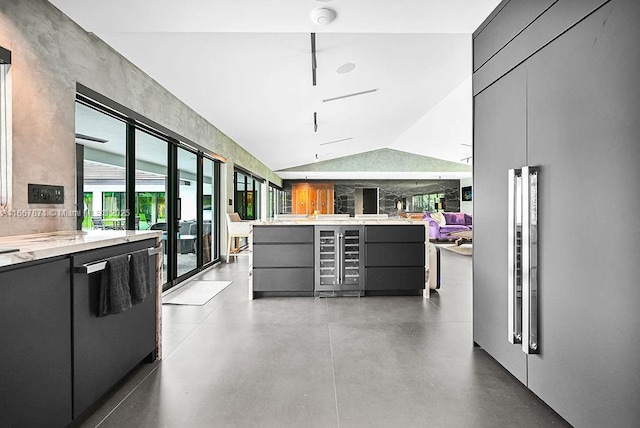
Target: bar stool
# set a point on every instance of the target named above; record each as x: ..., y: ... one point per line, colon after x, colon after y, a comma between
x: 236, y: 228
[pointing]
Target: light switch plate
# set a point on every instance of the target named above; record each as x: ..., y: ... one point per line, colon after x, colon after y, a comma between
x: 45, y: 194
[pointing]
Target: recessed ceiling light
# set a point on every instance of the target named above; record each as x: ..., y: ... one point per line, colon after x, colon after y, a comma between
x: 346, y: 68
x: 323, y: 15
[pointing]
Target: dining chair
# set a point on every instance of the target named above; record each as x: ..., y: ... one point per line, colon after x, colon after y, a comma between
x: 98, y: 224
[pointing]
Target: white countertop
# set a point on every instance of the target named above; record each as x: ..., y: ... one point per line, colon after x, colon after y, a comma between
x: 349, y: 222
x: 39, y: 246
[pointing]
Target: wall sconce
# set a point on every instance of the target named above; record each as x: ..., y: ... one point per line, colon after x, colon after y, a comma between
x: 5, y: 128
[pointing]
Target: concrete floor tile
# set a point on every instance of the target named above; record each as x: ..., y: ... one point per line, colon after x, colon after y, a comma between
x: 327, y: 362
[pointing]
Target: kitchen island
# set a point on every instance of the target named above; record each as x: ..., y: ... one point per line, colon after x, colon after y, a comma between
x: 58, y: 356
x: 325, y: 257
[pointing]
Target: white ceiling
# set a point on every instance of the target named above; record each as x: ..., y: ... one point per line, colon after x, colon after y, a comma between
x: 246, y: 67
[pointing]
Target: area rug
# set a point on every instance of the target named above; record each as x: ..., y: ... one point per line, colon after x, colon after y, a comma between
x: 195, y: 293
x: 465, y: 250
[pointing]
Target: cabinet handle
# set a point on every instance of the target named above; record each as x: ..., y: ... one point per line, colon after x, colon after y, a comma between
x: 514, y: 276
x: 98, y: 266
x: 530, y: 338
x: 339, y: 253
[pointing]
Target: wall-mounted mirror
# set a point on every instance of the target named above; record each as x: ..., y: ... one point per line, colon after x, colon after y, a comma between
x: 366, y: 200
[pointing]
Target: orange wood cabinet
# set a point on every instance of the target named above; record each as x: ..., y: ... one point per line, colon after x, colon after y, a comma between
x: 310, y: 197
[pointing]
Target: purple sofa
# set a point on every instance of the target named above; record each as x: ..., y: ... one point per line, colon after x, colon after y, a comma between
x: 454, y: 222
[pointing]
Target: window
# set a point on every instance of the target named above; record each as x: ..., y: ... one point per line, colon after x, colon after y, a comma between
x: 277, y: 199
x: 430, y: 202
x: 5, y: 128
x: 247, y: 195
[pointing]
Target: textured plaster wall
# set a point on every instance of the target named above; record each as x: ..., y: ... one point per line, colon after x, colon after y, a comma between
x: 50, y: 53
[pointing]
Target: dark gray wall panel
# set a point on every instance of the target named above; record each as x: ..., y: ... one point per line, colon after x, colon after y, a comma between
x: 35, y: 345
x: 556, y: 20
x: 283, y: 255
x: 282, y: 234
x: 499, y: 144
x: 405, y: 278
x: 283, y: 279
x: 584, y: 130
x: 506, y: 25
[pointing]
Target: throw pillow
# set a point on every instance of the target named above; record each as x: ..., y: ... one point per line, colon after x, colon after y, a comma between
x: 454, y: 218
x: 439, y: 217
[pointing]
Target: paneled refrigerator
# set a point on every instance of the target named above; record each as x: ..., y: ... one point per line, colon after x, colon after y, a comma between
x: 556, y: 239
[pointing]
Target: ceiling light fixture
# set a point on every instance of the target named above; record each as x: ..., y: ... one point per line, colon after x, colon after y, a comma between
x: 323, y: 15
x: 346, y: 68
x: 350, y: 95
x: 314, y: 61
x: 336, y: 141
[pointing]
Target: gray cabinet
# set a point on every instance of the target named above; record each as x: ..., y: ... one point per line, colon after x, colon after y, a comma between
x: 105, y: 349
x: 500, y: 138
x: 57, y: 357
x: 35, y: 345
x: 571, y: 109
x: 339, y: 259
x: 394, y: 259
x: 283, y: 259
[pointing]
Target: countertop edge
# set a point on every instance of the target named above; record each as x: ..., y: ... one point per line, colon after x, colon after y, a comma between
x: 41, y: 246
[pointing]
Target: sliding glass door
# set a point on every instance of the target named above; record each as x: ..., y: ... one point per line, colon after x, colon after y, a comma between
x: 132, y: 177
x: 187, y: 211
x: 209, y: 210
x: 152, y: 186
x: 101, y: 140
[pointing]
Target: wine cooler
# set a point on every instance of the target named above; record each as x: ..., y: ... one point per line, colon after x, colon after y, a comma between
x: 339, y: 260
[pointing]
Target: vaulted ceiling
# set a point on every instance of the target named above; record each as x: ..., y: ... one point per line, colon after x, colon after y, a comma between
x: 246, y: 66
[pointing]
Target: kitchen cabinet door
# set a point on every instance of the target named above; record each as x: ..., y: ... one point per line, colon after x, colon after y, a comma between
x: 325, y: 201
x: 300, y: 202
x: 35, y: 345
x: 499, y: 144
x: 583, y: 128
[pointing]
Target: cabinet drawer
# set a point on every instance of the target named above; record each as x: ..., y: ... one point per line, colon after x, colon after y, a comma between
x: 395, y: 254
x: 283, y: 279
x: 282, y: 255
x: 268, y: 234
x: 404, y: 278
x: 408, y: 233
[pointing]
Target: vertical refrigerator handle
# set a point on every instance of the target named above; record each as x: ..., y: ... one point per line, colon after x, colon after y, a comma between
x: 514, y: 276
x: 530, y: 336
